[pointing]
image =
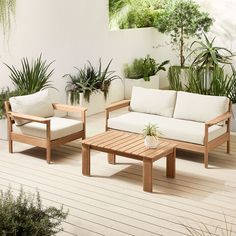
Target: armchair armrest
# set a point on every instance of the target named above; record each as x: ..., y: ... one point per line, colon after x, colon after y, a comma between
x: 68, y: 108
x: 218, y: 119
x: 29, y: 117
x: 118, y: 105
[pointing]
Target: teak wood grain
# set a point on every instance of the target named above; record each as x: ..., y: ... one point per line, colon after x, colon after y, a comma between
x: 129, y: 145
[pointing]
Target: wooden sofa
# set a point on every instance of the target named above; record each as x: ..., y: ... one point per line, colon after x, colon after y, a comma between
x: 214, y: 128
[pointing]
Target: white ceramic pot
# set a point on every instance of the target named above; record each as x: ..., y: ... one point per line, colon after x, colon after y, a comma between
x: 151, y: 142
x: 3, y: 129
x: 130, y: 83
x: 97, y: 103
x: 233, y: 119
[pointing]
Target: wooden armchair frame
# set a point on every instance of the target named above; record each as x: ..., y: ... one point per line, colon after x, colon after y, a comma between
x: 46, y: 143
x: 206, y: 147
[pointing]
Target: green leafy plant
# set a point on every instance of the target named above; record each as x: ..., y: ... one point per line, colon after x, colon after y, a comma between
x: 89, y: 80
x: 151, y: 130
x: 220, y: 85
x: 174, y: 78
x: 143, y: 68
x: 5, y: 94
x: 25, y: 215
x: 32, y: 77
x: 7, y: 11
x: 132, y: 13
x: 182, y: 19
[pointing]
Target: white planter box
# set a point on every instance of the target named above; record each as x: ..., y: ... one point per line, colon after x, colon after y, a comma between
x: 96, y: 104
x: 130, y: 83
x: 233, y: 119
x: 3, y: 129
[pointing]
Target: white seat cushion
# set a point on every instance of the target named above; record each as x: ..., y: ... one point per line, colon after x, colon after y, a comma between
x: 202, y: 108
x: 153, y: 101
x: 60, y: 127
x: 37, y: 104
x: 170, y: 128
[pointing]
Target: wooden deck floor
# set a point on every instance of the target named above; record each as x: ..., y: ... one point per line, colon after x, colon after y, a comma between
x: 112, y: 202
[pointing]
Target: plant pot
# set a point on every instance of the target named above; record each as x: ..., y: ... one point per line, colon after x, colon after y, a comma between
x: 151, y: 142
x: 3, y: 129
x: 233, y: 119
x: 130, y: 83
x: 97, y: 103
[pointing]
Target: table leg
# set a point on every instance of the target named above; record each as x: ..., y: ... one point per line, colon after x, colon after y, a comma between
x: 85, y: 159
x: 170, y: 164
x: 111, y: 158
x: 147, y: 175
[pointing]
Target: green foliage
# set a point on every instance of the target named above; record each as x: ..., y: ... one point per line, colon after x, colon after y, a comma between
x: 32, y: 77
x: 7, y: 10
x: 174, y: 78
x: 183, y: 19
x: 220, y: 84
x: 208, y: 55
x: 89, y: 80
x: 25, y: 215
x: 5, y: 94
x: 143, y: 68
x: 151, y: 130
x: 132, y: 13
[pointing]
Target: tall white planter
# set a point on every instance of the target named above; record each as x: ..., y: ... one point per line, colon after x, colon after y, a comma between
x: 3, y: 129
x: 97, y: 103
x: 130, y: 83
x: 233, y: 119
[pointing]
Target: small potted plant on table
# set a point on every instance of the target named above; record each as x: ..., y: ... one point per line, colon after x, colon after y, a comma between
x: 151, y: 135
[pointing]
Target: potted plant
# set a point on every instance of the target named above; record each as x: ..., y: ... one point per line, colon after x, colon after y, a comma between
x: 30, y: 78
x: 151, y: 135
x: 89, y: 87
x: 207, y: 56
x: 25, y: 215
x: 142, y: 72
x: 233, y: 119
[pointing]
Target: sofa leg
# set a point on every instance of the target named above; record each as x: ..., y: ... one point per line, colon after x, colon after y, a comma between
x: 10, y: 145
x: 228, y: 146
x: 206, y: 158
x: 48, y: 154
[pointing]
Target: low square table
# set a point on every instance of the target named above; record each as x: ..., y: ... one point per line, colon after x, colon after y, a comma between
x: 129, y: 145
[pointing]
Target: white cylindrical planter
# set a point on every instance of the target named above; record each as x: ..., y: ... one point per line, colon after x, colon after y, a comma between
x: 3, y: 129
x: 233, y: 119
x: 97, y: 103
x: 130, y: 83
x: 151, y: 142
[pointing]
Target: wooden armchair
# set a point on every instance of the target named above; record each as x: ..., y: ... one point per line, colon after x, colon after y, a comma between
x: 45, y: 132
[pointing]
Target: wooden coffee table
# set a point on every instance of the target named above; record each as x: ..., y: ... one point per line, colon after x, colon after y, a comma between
x: 129, y: 145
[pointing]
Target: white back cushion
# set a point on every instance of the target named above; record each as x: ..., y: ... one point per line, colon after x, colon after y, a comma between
x: 153, y: 101
x: 37, y: 104
x: 202, y: 108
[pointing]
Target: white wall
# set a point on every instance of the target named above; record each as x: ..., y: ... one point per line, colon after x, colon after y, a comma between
x: 74, y: 31
x: 71, y: 32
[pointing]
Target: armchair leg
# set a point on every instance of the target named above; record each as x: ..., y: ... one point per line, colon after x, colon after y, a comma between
x: 206, y: 158
x: 10, y: 145
x: 48, y: 154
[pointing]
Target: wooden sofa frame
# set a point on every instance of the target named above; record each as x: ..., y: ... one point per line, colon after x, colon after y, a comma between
x: 46, y: 143
x: 208, y: 145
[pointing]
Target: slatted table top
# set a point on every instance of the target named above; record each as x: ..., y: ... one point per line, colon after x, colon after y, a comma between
x: 127, y: 144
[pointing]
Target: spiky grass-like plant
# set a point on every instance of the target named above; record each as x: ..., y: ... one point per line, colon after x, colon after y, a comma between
x: 32, y: 77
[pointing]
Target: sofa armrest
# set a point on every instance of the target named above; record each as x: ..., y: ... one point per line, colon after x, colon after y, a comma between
x: 218, y: 119
x: 68, y: 108
x: 118, y: 105
x: 29, y: 117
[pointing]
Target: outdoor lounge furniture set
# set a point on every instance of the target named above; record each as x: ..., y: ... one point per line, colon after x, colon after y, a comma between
x: 186, y: 121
